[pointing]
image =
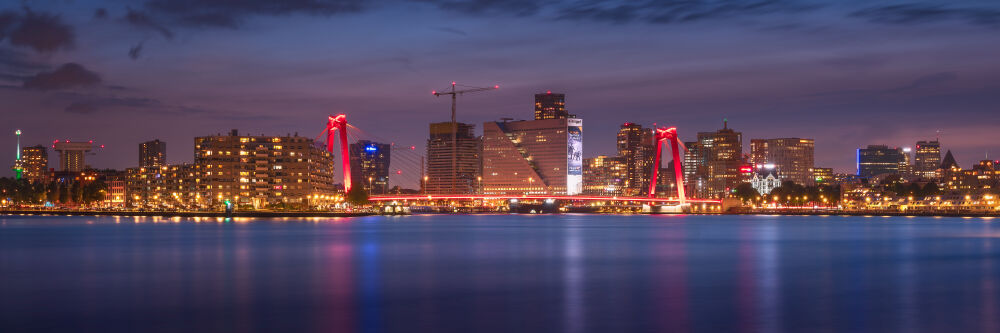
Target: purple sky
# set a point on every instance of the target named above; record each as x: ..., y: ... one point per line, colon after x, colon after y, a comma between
x: 846, y: 73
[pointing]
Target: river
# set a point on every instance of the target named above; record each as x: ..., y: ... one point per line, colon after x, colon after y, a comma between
x: 500, y: 273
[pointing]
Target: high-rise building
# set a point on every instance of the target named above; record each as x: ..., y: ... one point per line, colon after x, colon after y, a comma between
x: 879, y: 159
x: 262, y: 170
x: 441, y: 178
x: 927, y: 159
x: 822, y: 175
x: 35, y: 163
x: 603, y: 176
x: 370, y: 166
x: 693, y: 162
x: 906, y: 166
x: 721, y: 155
x: 71, y: 155
x: 551, y: 106
x: 152, y: 154
x: 637, y: 148
x: 533, y: 157
x: 792, y: 158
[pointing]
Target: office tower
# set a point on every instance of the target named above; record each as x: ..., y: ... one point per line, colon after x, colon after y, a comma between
x: 35, y: 163
x: 637, y: 148
x: 693, y: 162
x: 370, y: 166
x: 152, y: 154
x: 927, y: 159
x: 603, y: 176
x: 533, y: 157
x: 879, y: 159
x: 71, y: 155
x: 441, y: 178
x: 792, y: 158
x: 721, y: 157
x: 822, y: 175
x: 262, y: 170
x: 906, y: 165
x: 551, y: 106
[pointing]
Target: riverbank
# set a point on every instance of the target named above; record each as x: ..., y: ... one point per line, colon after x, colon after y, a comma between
x: 867, y: 213
x: 183, y: 214
x: 357, y: 214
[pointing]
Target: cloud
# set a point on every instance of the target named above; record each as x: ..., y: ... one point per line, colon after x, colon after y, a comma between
x: 664, y: 12
x: 100, y: 13
x: 70, y: 75
x: 228, y: 13
x: 928, y: 13
x: 81, y: 108
x: 135, y: 51
x: 141, y: 20
x: 42, y: 32
x: 927, y: 81
x: 451, y: 31
x: 516, y: 7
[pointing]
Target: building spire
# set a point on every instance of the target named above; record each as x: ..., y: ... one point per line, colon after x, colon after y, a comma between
x: 725, y: 123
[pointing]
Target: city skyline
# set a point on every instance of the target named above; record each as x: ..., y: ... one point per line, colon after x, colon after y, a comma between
x: 845, y: 75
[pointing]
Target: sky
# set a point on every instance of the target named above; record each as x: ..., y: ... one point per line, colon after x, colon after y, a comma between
x: 845, y: 73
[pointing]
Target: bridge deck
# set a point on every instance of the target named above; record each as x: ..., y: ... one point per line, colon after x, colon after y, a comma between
x: 533, y: 197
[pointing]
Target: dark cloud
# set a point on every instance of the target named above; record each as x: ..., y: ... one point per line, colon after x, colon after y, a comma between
x: 81, y: 108
x: 12, y: 60
x: 663, y: 12
x: 928, y: 13
x: 100, y: 13
x: 516, y: 7
x: 42, y: 32
x: 142, y: 20
x: 70, y: 75
x: 927, y: 81
x: 135, y: 51
x: 228, y: 13
x: 7, y: 21
x: 451, y: 31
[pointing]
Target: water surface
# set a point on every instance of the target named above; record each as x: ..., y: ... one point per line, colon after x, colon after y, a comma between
x: 500, y: 273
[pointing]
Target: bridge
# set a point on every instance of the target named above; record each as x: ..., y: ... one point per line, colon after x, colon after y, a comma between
x: 663, y: 136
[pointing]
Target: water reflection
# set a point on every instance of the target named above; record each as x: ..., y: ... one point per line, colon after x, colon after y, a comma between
x: 499, y: 274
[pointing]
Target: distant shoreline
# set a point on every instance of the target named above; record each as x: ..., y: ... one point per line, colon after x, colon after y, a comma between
x: 183, y: 214
x: 359, y: 214
x: 869, y: 213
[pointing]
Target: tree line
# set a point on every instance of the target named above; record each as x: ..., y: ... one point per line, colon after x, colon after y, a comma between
x: 23, y: 192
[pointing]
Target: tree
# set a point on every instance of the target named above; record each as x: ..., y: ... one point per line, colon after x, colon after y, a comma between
x: 357, y: 196
x: 745, y: 192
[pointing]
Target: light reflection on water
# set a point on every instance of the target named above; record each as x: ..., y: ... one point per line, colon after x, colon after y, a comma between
x: 499, y: 273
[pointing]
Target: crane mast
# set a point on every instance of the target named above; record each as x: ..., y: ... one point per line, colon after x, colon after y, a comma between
x: 454, y: 124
